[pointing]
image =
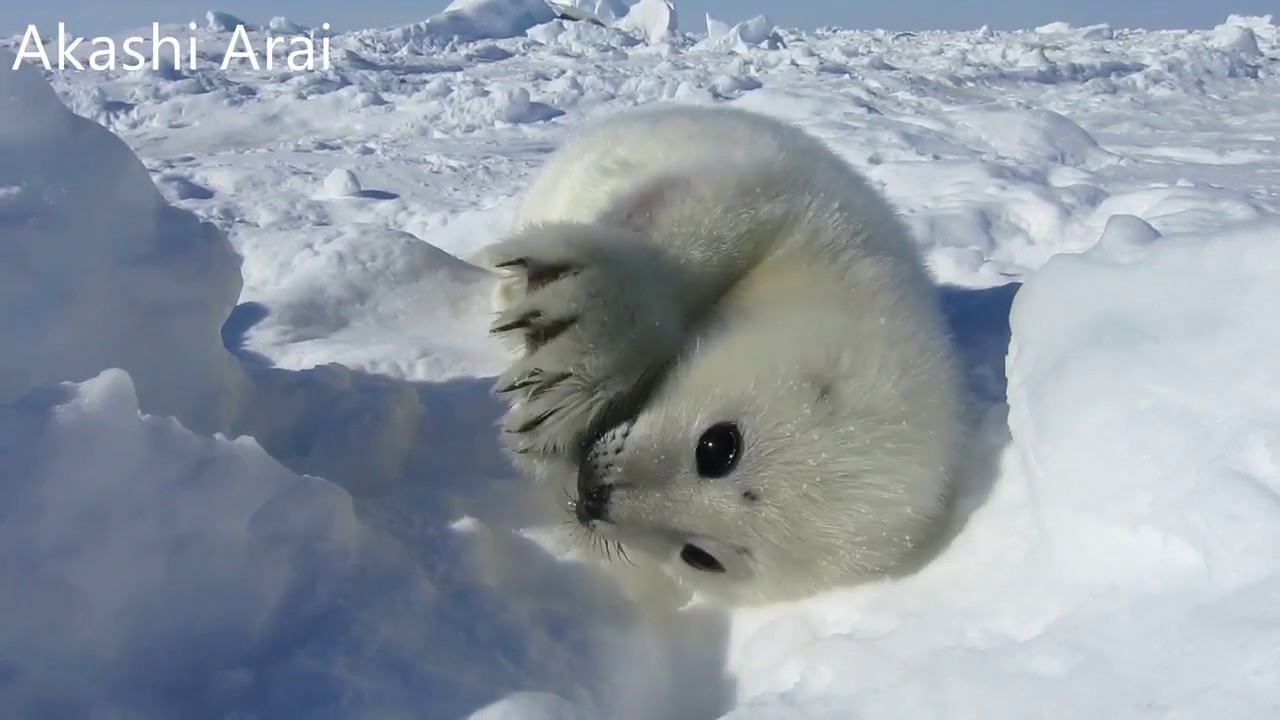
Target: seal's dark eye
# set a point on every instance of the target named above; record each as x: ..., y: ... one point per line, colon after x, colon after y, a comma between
x: 718, y: 450
x: 699, y: 559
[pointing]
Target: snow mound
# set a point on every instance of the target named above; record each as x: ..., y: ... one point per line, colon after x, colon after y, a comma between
x: 218, y: 21
x: 654, y: 20
x: 1171, y: 358
x: 476, y: 106
x: 1184, y: 209
x: 1101, y: 31
x: 97, y: 270
x: 470, y: 20
x: 284, y: 26
x: 1125, y: 234
x: 758, y: 32
x: 1054, y: 28
x: 1262, y: 26
x: 604, y: 11
x: 182, y: 188
x: 716, y: 28
x: 1034, y: 136
x: 374, y: 299
x: 160, y: 573
x: 126, y: 541
x: 1136, y: 515
x: 1236, y: 39
x: 342, y: 183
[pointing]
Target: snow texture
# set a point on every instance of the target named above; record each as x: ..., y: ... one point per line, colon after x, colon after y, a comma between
x: 654, y: 20
x: 342, y: 183
x: 467, y: 20
x: 284, y: 26
x: 606, y: 11
x: 248, y: 456
x: 759, y: 31
x: 218, y: 21
x: 99, y: 271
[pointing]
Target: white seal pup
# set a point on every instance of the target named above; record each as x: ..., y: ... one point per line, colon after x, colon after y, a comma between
x: 729, y: 355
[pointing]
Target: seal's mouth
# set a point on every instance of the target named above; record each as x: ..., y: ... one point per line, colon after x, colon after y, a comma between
x: 605, y: 438
x: 699, y: 559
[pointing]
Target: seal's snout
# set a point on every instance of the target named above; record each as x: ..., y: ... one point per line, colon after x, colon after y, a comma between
x: 593, y: 503
x: 594, y: 488
x: 598, y: 473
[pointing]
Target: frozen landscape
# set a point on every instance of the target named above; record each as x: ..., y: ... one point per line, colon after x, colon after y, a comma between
x: 249, y: 460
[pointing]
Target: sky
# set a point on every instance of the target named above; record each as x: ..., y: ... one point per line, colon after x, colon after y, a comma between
x: 89, y: 17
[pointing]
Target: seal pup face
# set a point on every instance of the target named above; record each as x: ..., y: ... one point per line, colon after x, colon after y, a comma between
x: 763, y: 465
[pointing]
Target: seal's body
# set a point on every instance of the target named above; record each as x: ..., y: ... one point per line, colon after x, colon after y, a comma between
x: 729, y: 354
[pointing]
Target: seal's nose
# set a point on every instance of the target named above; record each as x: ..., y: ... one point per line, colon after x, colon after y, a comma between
x: 599, y: 472
x: 593, y: 503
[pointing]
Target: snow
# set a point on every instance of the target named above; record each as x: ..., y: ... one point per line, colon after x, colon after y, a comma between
x: 342, y: 183
x: 467, y: 20
x: 654, y: 20
x: 1101, y: 31
x: 346, y: 294
x: 248, y: 454
x: 716, y: 28
x: 128, y: 541
x: 1054, y: 28
x: 99, y: 271
x: 759, y: 31
x: 1236, y: 39
x: 284, y: 26
x: 218, y: 21
x: 606, y: 11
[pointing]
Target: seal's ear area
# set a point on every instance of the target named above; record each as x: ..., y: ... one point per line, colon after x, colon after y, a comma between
x: 637, y: 210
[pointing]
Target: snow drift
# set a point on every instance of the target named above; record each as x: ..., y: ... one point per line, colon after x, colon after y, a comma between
x: 364, y: 289
x: 97, y: 270
x: 349, y: 553
x: 465, y: 21
x: 1135, y: 517
x: 470, y: 20
x: 653, y: 20
x: 126, y: 543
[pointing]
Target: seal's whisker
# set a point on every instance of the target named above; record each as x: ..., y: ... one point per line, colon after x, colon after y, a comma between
x: 622, y: 553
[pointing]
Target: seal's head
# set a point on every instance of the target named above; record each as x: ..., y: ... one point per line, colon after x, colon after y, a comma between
x: 767, y: 465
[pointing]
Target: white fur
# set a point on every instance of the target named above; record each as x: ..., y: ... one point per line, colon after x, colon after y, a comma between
x: 785, y: 296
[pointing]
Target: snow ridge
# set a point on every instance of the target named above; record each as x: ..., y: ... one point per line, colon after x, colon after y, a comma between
x: 248, y: 461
